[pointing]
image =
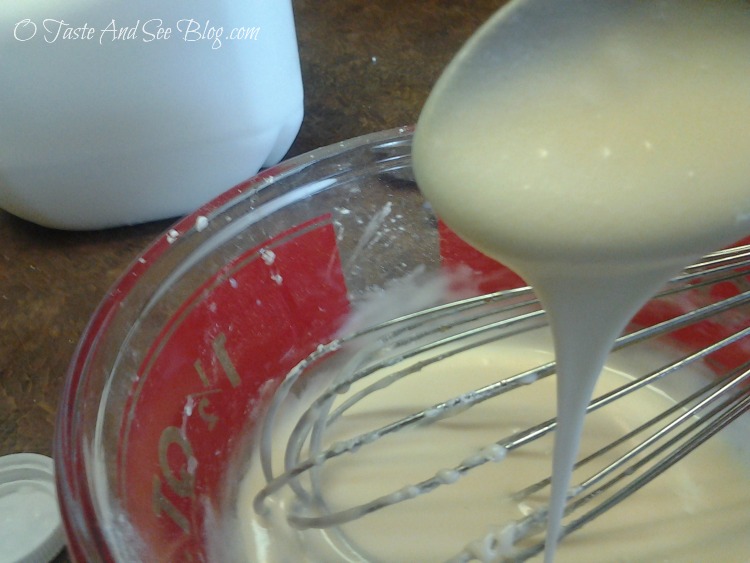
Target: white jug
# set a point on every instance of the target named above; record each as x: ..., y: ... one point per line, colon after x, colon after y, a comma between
x: 116, y: 112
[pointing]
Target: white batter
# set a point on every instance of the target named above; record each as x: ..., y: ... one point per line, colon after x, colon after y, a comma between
x: 697, y: 511
x: 596, y: 151
x: 598, y: 156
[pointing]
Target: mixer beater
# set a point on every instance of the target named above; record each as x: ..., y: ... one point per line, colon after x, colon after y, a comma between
x: 697, y: 312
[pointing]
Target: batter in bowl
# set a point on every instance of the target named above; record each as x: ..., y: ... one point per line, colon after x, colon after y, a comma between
x: 596, y: 150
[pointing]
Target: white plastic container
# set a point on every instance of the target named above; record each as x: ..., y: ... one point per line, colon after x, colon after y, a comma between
x: 122, y: 111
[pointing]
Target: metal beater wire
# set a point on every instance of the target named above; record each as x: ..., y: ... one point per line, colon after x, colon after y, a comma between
x: 449, y: 329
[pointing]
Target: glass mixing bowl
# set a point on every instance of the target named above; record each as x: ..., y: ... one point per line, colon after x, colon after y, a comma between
x: 172, y: 365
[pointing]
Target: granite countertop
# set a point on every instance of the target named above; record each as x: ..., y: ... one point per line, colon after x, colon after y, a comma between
x: 367, y: 66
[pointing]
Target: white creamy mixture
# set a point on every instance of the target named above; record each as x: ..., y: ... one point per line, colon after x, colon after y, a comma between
x: 696, y: 511
x: 596, y: 151
x: 598, y: 155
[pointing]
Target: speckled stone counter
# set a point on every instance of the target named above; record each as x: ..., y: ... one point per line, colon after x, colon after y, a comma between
x: 367, y: 66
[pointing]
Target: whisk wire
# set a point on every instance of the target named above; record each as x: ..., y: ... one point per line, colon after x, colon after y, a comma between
x: 406, y: 345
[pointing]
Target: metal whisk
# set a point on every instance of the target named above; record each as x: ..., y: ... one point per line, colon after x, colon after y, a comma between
x: 710, y: 294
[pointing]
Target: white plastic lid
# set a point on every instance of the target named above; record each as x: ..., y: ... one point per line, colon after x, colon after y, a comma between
x: 30, y: 524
